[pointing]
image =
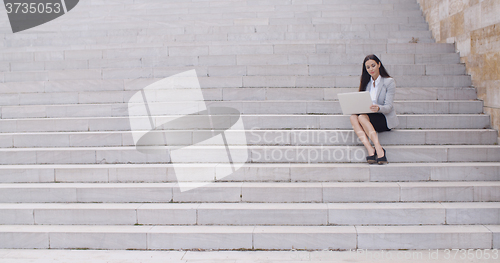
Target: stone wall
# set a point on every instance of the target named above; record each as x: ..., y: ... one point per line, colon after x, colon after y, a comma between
x: 474, y: 27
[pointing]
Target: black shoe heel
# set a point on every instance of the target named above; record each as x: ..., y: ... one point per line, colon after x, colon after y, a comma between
x: 382, y: 160
x: 372, y: 158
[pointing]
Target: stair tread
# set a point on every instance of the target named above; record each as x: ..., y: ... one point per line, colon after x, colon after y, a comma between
x: 253, y: 206
x: 255, y: 184
x: 250, y: 229
x: 282, y: 165
x: 75, y: 148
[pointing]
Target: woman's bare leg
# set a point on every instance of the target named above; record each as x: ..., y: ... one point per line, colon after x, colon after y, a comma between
x: 364, y: 120
x: 358, y: 129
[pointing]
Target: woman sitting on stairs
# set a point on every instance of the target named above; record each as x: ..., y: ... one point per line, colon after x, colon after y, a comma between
x: 376, y: 80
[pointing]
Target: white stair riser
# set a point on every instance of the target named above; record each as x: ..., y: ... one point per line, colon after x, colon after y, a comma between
x: 256, y: 172
x: 395, y: 37
x: 378, y: 238
x: 221, y: 71
x: 243, y: 81
x: 256, y: 137
x: 462, y: 121
x: 256, y: 154
x: 245, y: 107
x: 260, y: 192
x: 53, y: 95
x: 50, y: 58
x: 188, y: 214
x: 260, y: 237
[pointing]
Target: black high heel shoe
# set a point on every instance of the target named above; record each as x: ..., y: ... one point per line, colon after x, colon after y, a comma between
x: 382, y: 160
x: 372, y: 158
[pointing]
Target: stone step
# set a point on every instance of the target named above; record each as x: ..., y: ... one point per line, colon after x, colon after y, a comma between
x: 255, y: 154
x: 49, y: 58
x: 197, y: 13
x: 353, y: 70
x: 241, y: 26
x: 336, y: 54
x: 179, y: 3
x: 252, y: 172
x: 55, y: 97
x: 240, y: 214
x: 186, y: 27
x: 119, y: 22
x: 250, y: 237
x: 253, y: 192
x: 199, y: 6
x: 259, y: 15
x: 277, y: 81
x: 253, y: 137
x: 384, y: 36
x: 250, y: 25
x: 216, y: 72
x: 38, y: 93
x: 299, y: 107
x: 120, y: 50
x: 282, y: 121
x: 377, y: 10
x: 322, y: 81
x: 409, y: 93
x: 199, y: 57
x: 132, y: 41
x: 155, y: 9
x: 240, y: 70
x: 250, y: 11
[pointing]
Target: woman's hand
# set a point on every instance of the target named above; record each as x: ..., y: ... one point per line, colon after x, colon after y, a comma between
x: 374, y: 108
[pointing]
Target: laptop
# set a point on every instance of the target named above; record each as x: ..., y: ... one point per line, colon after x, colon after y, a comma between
x: 355, y: 102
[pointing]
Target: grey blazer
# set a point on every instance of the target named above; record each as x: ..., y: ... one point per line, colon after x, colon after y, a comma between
x: 385, y: 99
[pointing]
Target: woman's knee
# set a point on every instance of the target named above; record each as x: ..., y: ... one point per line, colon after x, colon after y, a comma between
x: 354, y: 118
x: 363, y: 118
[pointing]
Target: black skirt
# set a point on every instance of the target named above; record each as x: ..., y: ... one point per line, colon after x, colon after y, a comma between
x: 378, y: 121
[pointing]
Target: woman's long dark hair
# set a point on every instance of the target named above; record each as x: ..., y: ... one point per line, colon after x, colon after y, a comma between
x: 365, y: 76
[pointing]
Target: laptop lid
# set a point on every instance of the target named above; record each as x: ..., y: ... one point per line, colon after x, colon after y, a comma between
x: 355, y: 102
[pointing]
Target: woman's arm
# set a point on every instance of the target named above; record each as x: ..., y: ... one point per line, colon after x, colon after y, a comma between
x: 389, y: 96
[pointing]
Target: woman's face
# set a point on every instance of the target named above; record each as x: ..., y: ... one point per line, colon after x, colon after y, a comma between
x: 373, y: 68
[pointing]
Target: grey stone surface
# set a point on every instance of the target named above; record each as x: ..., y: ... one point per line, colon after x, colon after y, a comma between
x: 12, y: 237
x: 495, y: 229
x: 285, y: 193
x: 208, y: 237
x: 167, y: 214
x: 72, y: 178
x: 282, y: 237
x: 472, y: 213
x: 223, y: 192
x: 360, y: 192
x: 110, y: 237
x: 262, y: 214
x: 442, y: 191
x: 386, y: 214
x: 424, y: 237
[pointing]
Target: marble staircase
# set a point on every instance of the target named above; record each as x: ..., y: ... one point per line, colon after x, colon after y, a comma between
x: 71, y: 176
